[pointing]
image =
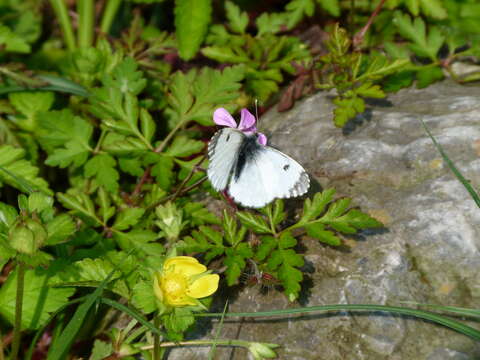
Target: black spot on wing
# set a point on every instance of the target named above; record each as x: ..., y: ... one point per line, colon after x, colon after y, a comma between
x: 285, y: 167
x: 248, y: 151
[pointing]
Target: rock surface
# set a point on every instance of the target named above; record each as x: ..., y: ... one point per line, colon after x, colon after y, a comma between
x: 430, y: 252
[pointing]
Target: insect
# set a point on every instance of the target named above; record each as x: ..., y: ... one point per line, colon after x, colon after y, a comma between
x: 252, y: 173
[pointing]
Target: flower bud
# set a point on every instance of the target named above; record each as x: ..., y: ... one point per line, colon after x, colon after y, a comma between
x: 22, y: 239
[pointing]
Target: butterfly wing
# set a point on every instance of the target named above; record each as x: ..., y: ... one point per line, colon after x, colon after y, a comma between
x: 223, y: 150
x: 268, y: 174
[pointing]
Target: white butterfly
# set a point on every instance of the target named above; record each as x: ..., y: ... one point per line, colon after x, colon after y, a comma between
x: 253, y: 174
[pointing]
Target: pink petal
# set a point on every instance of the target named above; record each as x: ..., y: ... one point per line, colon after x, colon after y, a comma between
x: 247, y: 121
x: 262, y: 139
x: 222, y: 117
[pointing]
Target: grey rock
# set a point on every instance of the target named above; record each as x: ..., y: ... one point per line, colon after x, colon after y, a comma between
x: 430, y: 252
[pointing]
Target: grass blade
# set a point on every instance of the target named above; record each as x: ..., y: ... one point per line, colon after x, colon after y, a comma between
x: 442, y: 320
x: 452, y: 167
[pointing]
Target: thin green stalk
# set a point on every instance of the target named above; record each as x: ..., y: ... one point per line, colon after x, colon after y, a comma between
x: 109, y: 14
x: 61, y: 12
x: 1, y: 347
x: 86, y: 22
x: 17, y: 329
x: 156, y: 339
x: 165, y: 141
x: 445, y: 321
x: 219, y: 342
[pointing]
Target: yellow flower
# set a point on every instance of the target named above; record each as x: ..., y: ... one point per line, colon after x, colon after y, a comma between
x: 183, y: 280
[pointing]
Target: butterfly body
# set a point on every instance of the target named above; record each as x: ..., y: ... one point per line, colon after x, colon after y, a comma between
x: 253, y: 174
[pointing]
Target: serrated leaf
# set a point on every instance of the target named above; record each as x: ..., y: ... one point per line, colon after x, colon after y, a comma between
x: 433, y: 8
x: 360, y: 220
x: 29, y: 103
x: 18, y: 172
x: 211, y: 234
x: 267, y: 245
x: 60, y: 229
x: 237, y: 20
x: 65, y: 137
x: 147, y: 125
x: 101, y: 350
x: 370, y: 90
x: 331, y: 6
x: 254, y: 222
x: 102, y: 167
x: 318, y: 231
x: 140, y: 240
x: 143, y: 297
x: 346, y: 109
x: 39, y: 299
x: 191, y: 23
x: 182, y: 146
x: 11, y: 42
x: 286, y: 241
x: 225, y: 54
x: 132, y: 166
x: 290, y: 278
x: 199, y: 214
x: 195, y: 95
x: 429, y: 75
x: 128, y: 217
x: 163, y: 171
x: 235, y: 262
x: 314, y: 207
x: 126, y: 78
x: 271, y: 23
x: 296, y: 10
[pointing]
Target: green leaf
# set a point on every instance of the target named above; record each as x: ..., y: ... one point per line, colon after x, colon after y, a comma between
x: 18, y: 172
x: 235, y: 262
x: 162, y: 170
x: 198, y: 214
x: 30, y: 103
x: 313, y: 208
x: 147, y: 125
x: 127, y: 218
x: 433, y: 8
x: 11, y: 42
x: 182, y: 146
x: 267, y: 245
x: 140, y: 240
x: 101, y: 350
x: 422, y: 44
x: 367, y: 89
x: 429, y: 75
x: 296, y: 10
x: 59, y: 229
x: 347, y: 108
x: 65, y: 137
x: 271, y: 23
x: 126, y: 78
x: 102, y: 167
x: 237, y: 20
x: 132, y: 166
x: 39, y: 299
x: 143, y: 297
x: 254, y: 222
x: 318, y: 231
x: 195, y: 95
x: 331, y: 6
x: 191, y: 22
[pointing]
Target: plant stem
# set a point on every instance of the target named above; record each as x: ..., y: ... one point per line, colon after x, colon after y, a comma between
x: 359, y: 36
x: 219, y: 342
x: 109, y: 14
x: 1, y: 347
x: 156, y: 339
x: 165, y: 141
x: 86, y: 19
x: 61, y: 12
x: 18, y: 310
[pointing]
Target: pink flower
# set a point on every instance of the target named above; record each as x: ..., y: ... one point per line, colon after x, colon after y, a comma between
x: 247, y: 123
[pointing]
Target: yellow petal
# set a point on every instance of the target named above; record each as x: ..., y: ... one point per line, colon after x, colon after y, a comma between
x: 185, y: 265
x: 203, y: 286
x: 182, y: 302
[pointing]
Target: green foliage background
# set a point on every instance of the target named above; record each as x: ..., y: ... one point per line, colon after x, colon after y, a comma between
x: 103, y: 128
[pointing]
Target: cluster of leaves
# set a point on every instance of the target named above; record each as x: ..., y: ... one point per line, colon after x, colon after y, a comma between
x: 265, y: 56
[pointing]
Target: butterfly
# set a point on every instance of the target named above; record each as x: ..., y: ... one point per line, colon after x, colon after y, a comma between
x: 252, y: 173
